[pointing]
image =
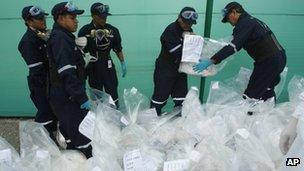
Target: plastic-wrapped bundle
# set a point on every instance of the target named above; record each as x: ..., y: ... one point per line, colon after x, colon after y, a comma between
x: 152, y: 158
x: 181, y: 149
x: 296, y: 89
x: 107, y: 131
x: 251, y: 155
x: 192, y: 108
x: 211, y: 155
x: 70, y: 160
x: 143, y: 159
x: 138, y: 155
x: 209, y: 48
x: 98, y: 97
x: 221, y: 94
x: 37, y: 148
x: 8, y: 156
x: 279, y: 88
x: 240, y: 81
x: 297, y: 149
x: 164, y: 119
x: 268, y: 127
x: 105, y: 157
x: 163, y: 135
x: 135, y: 102
x: 148, y: 119
x: 134, y: 142
x: 133, y: 137
x: 166, y: 130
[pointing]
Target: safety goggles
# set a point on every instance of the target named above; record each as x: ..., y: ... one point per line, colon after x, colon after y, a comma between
x: 224, y: 12
x: 35, y: 11
x: 70, y: 7
x: 103, y: 9
x: 190, y: 15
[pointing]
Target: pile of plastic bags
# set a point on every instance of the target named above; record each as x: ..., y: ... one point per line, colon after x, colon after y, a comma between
x: 218, y: 135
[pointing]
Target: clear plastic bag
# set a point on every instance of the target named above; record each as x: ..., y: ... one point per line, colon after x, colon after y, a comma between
x: 214, y: 156
x: 70, y: 160
x: 279, y: 88
x: 239, y: 82
x: 8, y: 156
x: 210, y: 47
x: 296, y: 89
x: 36, y: 147
x: 98, y: 97
x: 135, y: 102
x: 222, y: 94
x: 33, y: 137
x: 251, y: 155
x: 296, y: 150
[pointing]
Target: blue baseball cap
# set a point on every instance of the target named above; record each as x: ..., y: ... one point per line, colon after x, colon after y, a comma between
x: 188, y: 15
x: 65, y: 8
x: 100, y: 9
x: 228, y: 8
x: 33, y: 12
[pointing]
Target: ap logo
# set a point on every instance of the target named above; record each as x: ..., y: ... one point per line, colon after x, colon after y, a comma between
x: 292, y: 161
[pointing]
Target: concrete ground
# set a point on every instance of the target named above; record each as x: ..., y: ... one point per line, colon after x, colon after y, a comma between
x: 9, y: 130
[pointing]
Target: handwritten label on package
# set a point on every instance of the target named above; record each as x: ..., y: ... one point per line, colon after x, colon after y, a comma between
x: 133, y: 161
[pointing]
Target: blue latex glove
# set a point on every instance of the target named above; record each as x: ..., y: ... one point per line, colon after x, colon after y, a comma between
x: 123, y: 68
x: 86, y: 105
x: 202, y: 65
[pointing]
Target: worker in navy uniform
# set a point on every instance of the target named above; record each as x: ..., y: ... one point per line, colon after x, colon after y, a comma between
x: 67, y: 79
x: 33, y: 50
x: 102, y: 37
x: 167, y: 80
x: 261, y: 45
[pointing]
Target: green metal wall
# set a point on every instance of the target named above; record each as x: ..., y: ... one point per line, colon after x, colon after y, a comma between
x: 141, y: 22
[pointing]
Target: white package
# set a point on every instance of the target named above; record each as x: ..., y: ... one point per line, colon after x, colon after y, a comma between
x: 209, y: 48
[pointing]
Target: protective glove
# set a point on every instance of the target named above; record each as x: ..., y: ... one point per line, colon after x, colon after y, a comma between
x: 88, y: 58
x: 288, y: 135
x: 81, y: 42
x: 86, y: 105
x: 202, y: 65
x: 123, y: 68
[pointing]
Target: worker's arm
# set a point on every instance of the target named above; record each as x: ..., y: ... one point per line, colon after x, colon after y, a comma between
x: 240, y: 34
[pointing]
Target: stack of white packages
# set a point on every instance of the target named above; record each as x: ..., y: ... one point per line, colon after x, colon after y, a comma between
x: 218, y: 135
x: 195, y: 48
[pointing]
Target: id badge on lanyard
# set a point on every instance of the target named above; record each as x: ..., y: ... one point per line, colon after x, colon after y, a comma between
x: 109, y: 64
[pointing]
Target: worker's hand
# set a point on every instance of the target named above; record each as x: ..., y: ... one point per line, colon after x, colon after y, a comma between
x: 202, y: 65
x: 288, y: 135
x: 86, y: 105
x: 123, y: 68
x: 88, y: 58
x: 81, y: 42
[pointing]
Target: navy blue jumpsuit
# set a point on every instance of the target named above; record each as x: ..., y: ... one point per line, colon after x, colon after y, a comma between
x: 260, y: 43
x: 33, y: 51
x: 102, y: 73
x: 67, y: 87
x: 167, y: 80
